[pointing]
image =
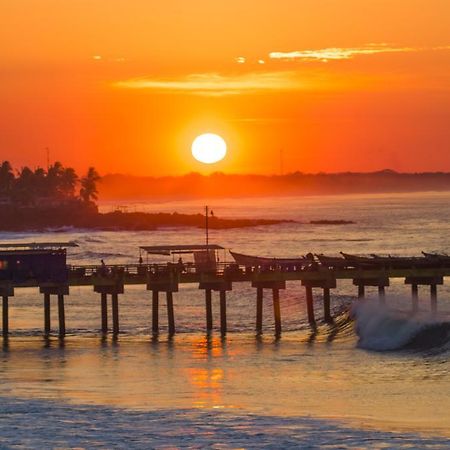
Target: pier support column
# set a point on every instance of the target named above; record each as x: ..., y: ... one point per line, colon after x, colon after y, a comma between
x: 276, y: 310
x: 6, y: 291
x: 163, y: 282
x: 47, y: 324
x: 433, y: 298
x: 155, y: 312
x: 61, y: 316
x: 59, y: 290
x: 115, y: 312
x: 381, y: 282
x: 170, y: 312
x: 104, y: 312
x: 326, y: 306
x: 223, y: 311
x: 208, y: 304
x: 113, y: 287
x: 361, y: 291
x: 415, y: 282
x: 415, y: 298
x: 276, y: 286
x: 219, y: 284
x: 5, y: 316
x: 310, y: 305
x: 259, y: 309
x: 327, y: 283
x: 381, y: 295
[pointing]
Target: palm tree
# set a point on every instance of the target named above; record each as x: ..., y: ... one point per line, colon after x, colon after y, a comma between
x: 40, y: 182
x: 54, y: 175
x: 24, y: 189
x: 88, y: 191
x: 6, y: 178
x: 68, y: 181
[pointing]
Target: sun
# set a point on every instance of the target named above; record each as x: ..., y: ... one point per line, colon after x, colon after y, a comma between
x: 209, y: 148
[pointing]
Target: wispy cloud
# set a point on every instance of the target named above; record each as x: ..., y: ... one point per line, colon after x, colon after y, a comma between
x: 213, y: 84
x: 337, y: 53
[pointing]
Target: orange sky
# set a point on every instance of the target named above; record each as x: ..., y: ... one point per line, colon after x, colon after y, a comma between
x: 126, y: 85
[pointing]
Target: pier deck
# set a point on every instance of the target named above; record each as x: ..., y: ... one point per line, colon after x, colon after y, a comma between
x: 111, y: 280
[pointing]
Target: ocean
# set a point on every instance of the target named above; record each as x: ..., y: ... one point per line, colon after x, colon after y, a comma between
x: 376, y: 378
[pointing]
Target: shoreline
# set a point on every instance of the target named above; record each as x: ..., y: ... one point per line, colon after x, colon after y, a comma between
x: 33, y: 220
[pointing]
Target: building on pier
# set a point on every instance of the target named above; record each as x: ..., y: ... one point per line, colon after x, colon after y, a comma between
x: 38, y: 261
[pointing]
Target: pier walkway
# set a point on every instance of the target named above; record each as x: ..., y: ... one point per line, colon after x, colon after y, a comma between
x: 111, y: 280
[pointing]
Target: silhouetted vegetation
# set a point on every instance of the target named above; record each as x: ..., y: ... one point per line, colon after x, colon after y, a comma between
x: 57, y: 198
x: 56, y: 187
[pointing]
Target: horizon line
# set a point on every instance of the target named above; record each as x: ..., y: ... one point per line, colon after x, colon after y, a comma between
x: 273, y: 175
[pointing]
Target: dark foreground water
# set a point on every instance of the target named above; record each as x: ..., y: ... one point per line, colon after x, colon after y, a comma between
x: 382, y: 381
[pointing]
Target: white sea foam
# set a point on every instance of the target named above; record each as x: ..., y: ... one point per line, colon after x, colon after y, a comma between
x: 381, y: 329
x: 42, y: 424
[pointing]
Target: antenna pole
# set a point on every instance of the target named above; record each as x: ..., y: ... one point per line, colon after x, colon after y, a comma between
x: 206, y: 228
x: 48, y: 157
x: 207, y: 232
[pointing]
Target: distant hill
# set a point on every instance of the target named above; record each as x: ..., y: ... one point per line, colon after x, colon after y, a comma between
x: 219, y: 185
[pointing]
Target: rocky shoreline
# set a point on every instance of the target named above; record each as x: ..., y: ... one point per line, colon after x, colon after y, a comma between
x: 44, y: 219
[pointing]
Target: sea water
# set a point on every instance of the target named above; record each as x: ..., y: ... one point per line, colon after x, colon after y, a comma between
x: 378, y: 377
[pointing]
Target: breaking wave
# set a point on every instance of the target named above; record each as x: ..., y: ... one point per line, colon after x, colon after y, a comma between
x: 380, y: 329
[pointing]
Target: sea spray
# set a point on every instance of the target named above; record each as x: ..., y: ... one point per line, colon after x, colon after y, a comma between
x: 381, y: 329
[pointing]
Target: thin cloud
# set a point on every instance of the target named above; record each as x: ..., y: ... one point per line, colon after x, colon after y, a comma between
x: 213, y: 84
x: 339, y: 53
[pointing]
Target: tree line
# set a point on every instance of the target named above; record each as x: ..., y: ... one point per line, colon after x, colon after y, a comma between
x: 57, y: 183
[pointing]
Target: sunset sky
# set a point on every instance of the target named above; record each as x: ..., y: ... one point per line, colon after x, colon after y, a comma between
x: 126, y: 85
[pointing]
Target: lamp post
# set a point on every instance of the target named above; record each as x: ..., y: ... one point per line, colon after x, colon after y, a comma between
x: 207, y: 213
x: 207, y: 230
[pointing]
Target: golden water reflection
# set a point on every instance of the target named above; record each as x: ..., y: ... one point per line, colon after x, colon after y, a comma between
x: 282, y: 377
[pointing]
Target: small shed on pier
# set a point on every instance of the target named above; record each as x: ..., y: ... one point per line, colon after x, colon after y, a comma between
x: 205, y: 257
x: 38, y: 261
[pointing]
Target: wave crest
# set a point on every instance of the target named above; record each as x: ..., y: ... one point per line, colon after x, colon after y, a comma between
x: 380, y: 329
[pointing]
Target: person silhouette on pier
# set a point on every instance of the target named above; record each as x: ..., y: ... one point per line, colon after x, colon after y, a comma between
x: 180, y: 265
x: 103, y: 268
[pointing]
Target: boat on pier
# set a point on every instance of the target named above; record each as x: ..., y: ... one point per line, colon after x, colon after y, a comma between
x: 266, y: 262
x: 332, y: 262
x: 438, y: 258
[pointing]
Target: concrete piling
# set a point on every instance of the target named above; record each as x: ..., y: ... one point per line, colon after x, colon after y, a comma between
x: 361, y: 291
x: 5, y: 316
x: 223, y: 311
x: 47, y: 324
x: 61, y: 316
x: 155, y: 312
x: 208, y: 305
x: 170, y: 312
x: 326, y: 305
x: 415, y: 298
x: 433, y: 298
x: 310, y: 305
x: 115, y: 312
x: 104, y: 312
x: 259, y: 309
x: 381, y: 295
x: 276, y: 310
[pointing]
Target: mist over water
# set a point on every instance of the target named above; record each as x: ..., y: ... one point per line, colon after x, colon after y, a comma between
x: 379, y: 380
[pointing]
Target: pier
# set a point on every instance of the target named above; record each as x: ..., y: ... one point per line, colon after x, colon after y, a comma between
x: 208, y: 274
